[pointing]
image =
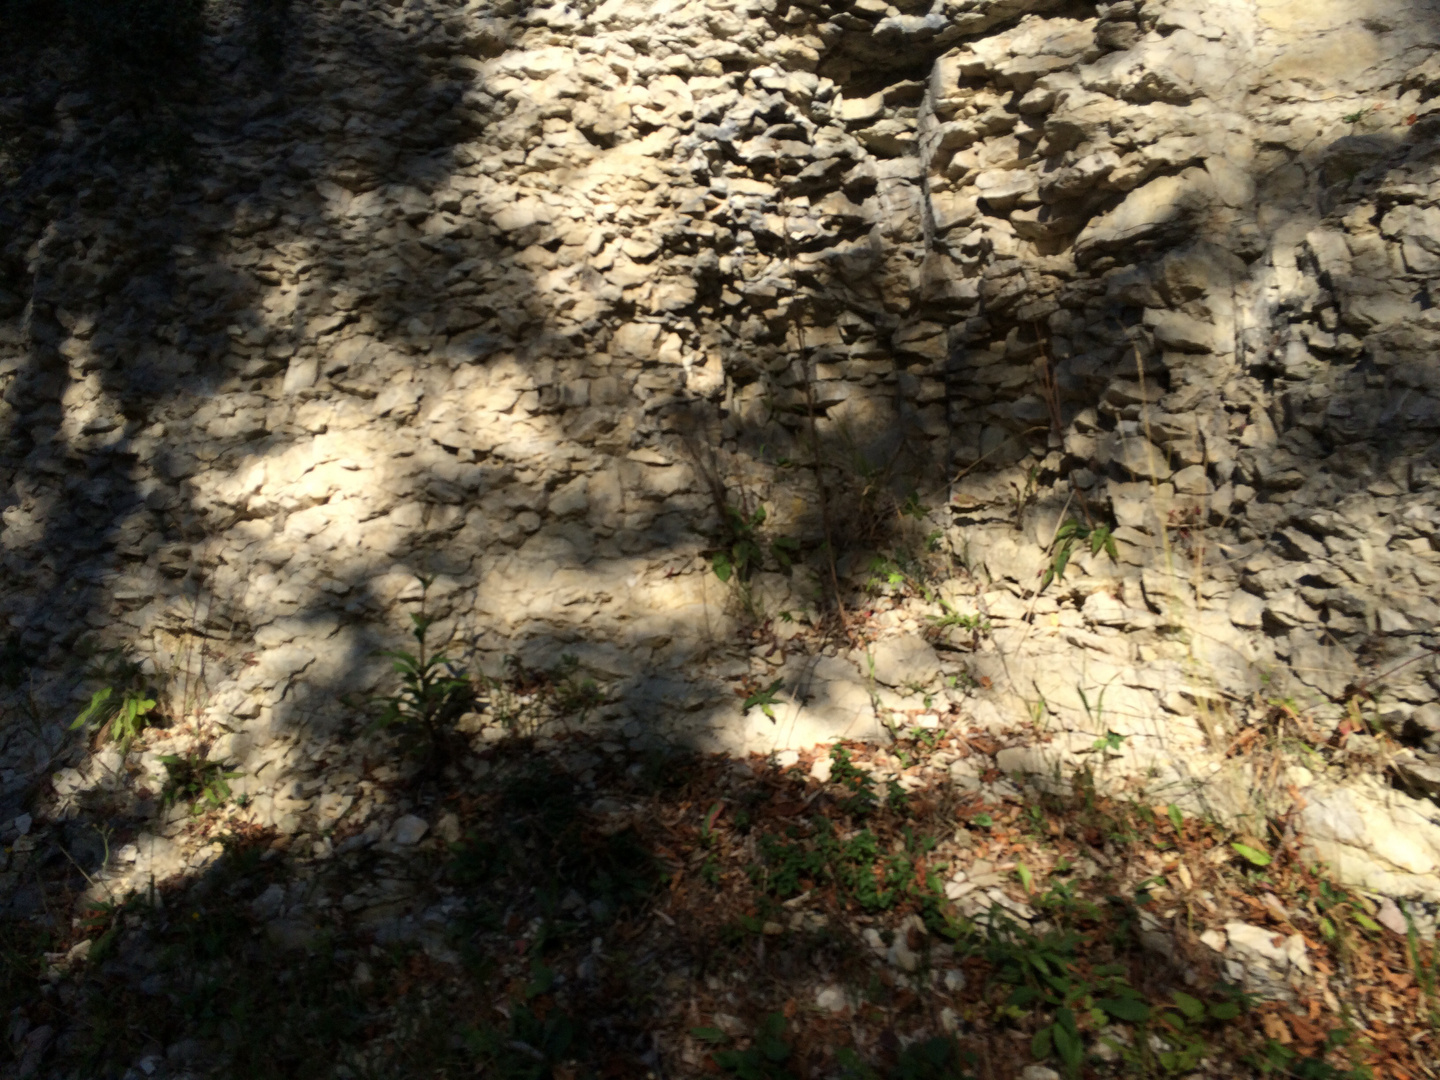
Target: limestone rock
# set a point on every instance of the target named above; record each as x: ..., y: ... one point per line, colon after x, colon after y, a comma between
x: 908, y: 660
x: 1377, y: 838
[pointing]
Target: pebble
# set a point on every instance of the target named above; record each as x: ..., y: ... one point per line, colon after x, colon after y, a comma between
x: 409, y: 829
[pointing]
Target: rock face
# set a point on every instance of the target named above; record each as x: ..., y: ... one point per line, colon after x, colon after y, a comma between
x: 522, y: 298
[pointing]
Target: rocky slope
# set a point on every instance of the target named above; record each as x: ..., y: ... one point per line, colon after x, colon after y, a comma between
x: 524, y: 299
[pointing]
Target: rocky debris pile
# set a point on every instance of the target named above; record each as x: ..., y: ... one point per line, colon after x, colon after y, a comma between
x: 546, y: 304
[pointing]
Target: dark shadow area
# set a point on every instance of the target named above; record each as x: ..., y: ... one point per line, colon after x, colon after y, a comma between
x: 586, y: 913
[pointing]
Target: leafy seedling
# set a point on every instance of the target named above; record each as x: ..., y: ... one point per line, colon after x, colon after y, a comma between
x: 765, y: 698
x: 742, y: 553
x: 190, y: 778
x: 122, y: 720
x: 764, y: 1059
x: 1069, y: 534
x: 433, y: 695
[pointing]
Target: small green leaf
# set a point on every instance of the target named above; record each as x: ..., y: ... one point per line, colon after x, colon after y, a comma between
x: 542, y: 978
x: 1062, y: 560
x: 708, y: 1034
x: 1176, y: 818
x: 1365, y: 921
x: 1069, y: 1047
x: 722, y: 567
x: 1251, y: 855
x: 1224, y: 1010
x: 1127, y: 1009
x: 93, y: 711
x: 731, y: 1060
x: 1327, y: 929
x: 1040, y: 1044
x: 1027, y: 879
x: 764, y: 698
x: 1193, y: 1008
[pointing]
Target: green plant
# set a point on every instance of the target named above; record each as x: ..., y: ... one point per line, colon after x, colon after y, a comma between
x: 122, y: 720
x: 1174, y: 1038
x: 1099, y: 538
x: 765, y: 699
x: 913, y: 507
x: 816, y: 853
x: 1043, y: 970
x: 1038, y: 709
x: 763, y: 1059
x: 1094, y: 713
x: 105, y: 916
x: 122, y: 708
x: 1058, y: 988
x: 743, y: 550
x: 1253, y: 855
x: 863, y: 798
x: 905, y: 570
x: 190, y: 778
x: 533, y: 1041
x: 572, y: 695
x: 1333, y: 905
x: 1063, y: 900
x: 432, y: 694
x: 977, y: 622
x: 1276, y: 1059
x: 938, y: 1058
x: 926, y: 738
x: 885, y: 571
x: 1109, y: 743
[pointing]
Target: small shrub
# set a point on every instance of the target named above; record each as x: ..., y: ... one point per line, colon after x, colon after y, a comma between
x: 190, y: 778
x: 1098, y: 537
x: 763, y: 1059
x: 433, y: 695
x: 122, y: 708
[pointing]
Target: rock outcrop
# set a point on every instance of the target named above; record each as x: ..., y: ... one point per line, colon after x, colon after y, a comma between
x: 523, y: 298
